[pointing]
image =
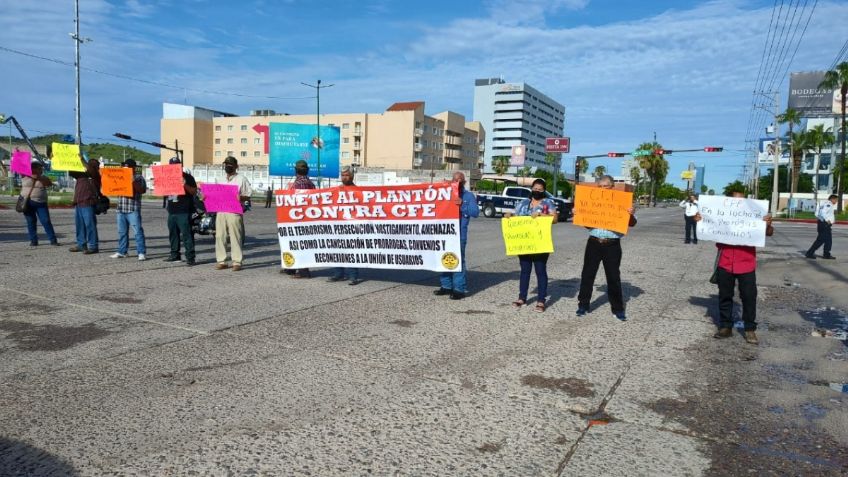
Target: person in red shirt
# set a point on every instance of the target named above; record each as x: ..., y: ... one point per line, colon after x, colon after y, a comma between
x: 738, y: 263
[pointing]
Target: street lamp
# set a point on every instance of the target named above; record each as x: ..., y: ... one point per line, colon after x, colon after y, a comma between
x: 176, y: 147
x: 77, y: 41
x: 317, y: 141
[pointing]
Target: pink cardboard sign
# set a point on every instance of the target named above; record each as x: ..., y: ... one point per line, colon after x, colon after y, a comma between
x: 221, y: 198
x: 168, y: 180
x: 22, y: 163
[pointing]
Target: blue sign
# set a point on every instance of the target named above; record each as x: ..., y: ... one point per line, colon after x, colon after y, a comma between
x: 292, y: 142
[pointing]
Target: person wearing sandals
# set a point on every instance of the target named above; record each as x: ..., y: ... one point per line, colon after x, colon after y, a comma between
x: 35, y: 189
x: 537, y: 205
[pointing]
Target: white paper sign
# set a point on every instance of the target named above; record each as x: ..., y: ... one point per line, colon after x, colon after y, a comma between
x: 732, y: 221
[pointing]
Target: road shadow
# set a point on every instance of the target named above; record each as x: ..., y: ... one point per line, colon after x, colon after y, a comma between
x: 18, y: 458
x: 628, y: 291
x: 710, y: 305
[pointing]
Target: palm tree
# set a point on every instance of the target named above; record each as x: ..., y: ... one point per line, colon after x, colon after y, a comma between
x: 791, y: 117
x: 636, y: 176
x: 500, y: 164
x: 799, y: 142
x: 819, y: 138
x: 599, y: 171
x: 654, y: 165
x: 838, y: 78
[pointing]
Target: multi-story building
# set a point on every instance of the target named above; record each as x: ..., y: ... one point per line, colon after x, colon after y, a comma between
x: 402, y: 137
x: 514, y: 114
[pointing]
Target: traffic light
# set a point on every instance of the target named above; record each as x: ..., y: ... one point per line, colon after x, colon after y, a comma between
x: 713, y: 149
x: 616, y: 154
x: 661, y: 152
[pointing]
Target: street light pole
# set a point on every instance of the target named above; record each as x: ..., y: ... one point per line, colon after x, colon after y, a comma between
x: 318, y: 144
x: 77, y: 40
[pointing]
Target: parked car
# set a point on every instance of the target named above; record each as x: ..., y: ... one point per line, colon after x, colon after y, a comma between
x: 492, y: 205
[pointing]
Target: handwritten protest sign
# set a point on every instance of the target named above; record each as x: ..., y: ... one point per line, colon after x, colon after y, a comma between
x: 168, y: 180
x: 407, y: 227
x: 221, y: 198
x: 523, y: 235
x: 116, y: 181
x: 66, y: 157
x: 602, y: 208
x: 22, y: 163
x: 734, y: 221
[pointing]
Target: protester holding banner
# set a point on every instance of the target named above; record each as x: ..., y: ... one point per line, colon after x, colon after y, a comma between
x: 230, y: 225
x: 536, y: 206
x: 35, y: 189
x: 180, y: 207
x: 352, y: 272
x: 301, y: 182
x: 455, y: 283
x: 129, y: 213
x: 738, y: 263
x: 690, y: 206
x: 824, y: 218
x: 603, y: 246
x: 86, y: 194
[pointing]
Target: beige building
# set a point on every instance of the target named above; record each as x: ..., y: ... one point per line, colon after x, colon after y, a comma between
x: 402, y: 137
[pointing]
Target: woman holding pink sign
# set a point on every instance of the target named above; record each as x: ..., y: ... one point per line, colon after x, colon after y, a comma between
x: 34, y: 188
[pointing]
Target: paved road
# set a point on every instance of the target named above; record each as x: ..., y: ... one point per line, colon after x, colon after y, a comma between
x: 116, y: 367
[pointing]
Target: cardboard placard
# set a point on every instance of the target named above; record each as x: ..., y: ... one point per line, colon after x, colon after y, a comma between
x: 602, y: 208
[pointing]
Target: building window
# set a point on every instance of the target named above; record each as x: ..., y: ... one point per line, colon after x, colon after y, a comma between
x: 243, y: 153
x: 255, y: 153
x: 244, y: 127
x: 345, y: 155
x: 229, y: 153
x: 256, y: 140
x: 229, y: 140
x: 345, y: 125
x: 244, y: 140
x: 217, y: 128
x: 230, y: 127
x: 218, y: 141
x: 345, y: 140
x: 217, y: 153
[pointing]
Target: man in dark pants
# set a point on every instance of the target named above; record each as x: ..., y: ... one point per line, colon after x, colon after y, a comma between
x: 690, y: 206
x: 269, y: 196
x: 825, y: 218
x: 603, y: 246
x: 86, y: 192
x: 738, y: 263
x: 180, y: 208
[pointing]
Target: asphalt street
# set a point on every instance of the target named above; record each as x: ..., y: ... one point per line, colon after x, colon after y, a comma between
x: 120, y: 367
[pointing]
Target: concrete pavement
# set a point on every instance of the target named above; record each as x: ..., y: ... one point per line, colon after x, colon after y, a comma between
x: 120, y: 367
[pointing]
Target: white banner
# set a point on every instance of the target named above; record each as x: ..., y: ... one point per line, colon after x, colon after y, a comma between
x: 732, y: 221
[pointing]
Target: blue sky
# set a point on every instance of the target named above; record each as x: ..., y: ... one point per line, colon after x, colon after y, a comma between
x: 623, y: 69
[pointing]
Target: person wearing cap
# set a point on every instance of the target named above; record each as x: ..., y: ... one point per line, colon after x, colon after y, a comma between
x: 230, y: 225
x: 34, y: 188
x: 180, y: 207
x: 301, y: 182
x: 86, y: 192
x: 351, y: 272
x: 129, y: 213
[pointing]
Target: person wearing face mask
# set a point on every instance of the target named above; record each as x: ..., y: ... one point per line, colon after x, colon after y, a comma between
x: 352, y: 272
x: 536, y: 206
x: 455, y: 283
x: 603, y: 246
x: 231, y: 225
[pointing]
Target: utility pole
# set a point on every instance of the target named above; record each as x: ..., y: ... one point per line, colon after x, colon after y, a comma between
x: 77, y: 40
x: 775, y: 192
x: 318, y: 144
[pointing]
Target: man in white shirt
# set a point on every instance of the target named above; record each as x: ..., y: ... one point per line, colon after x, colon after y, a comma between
x: 230, y: 225
x: 826, y: 218
x: 691, y: 210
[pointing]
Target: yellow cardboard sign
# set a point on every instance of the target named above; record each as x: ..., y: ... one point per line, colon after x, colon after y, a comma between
x: 66, y: 157
x: 601, y: 208
x: 525, y: 235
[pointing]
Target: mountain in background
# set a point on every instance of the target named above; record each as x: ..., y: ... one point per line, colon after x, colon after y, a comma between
x: 111, y: 153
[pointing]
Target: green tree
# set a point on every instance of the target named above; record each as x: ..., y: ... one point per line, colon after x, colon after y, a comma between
x: 563, y: 186
x: 704, y: 188
x: 636, y: 177
x: 654, y: 165
x: 599, y: 171
x: 584, y: 166
x: 791, y: 117
x: 819, y: 138
x: 525, y: 171
x: 500, y: 164
x: 735, y: 186
x: 837, y: 78
x: 670, y: 191
x: 800, y: 144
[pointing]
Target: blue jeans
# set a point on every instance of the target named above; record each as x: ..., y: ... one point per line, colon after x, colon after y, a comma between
x: 86, y: 226
x: 39, y: 210
x: 539, y: 261
x: 125, y: 219
x: 457, y: 281
x: 352, y: 273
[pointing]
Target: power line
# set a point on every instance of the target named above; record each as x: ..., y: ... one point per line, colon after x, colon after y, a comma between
x: 154, y: 83
x: 843, y: 54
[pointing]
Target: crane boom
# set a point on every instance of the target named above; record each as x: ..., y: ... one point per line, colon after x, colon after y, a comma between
x: 35, y: 153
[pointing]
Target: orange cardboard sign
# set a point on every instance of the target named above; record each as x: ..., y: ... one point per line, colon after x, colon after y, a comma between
x: 601, y: 208
x: 116, y: 181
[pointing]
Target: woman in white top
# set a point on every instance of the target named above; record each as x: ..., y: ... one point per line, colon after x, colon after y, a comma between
x: 35, y: 188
